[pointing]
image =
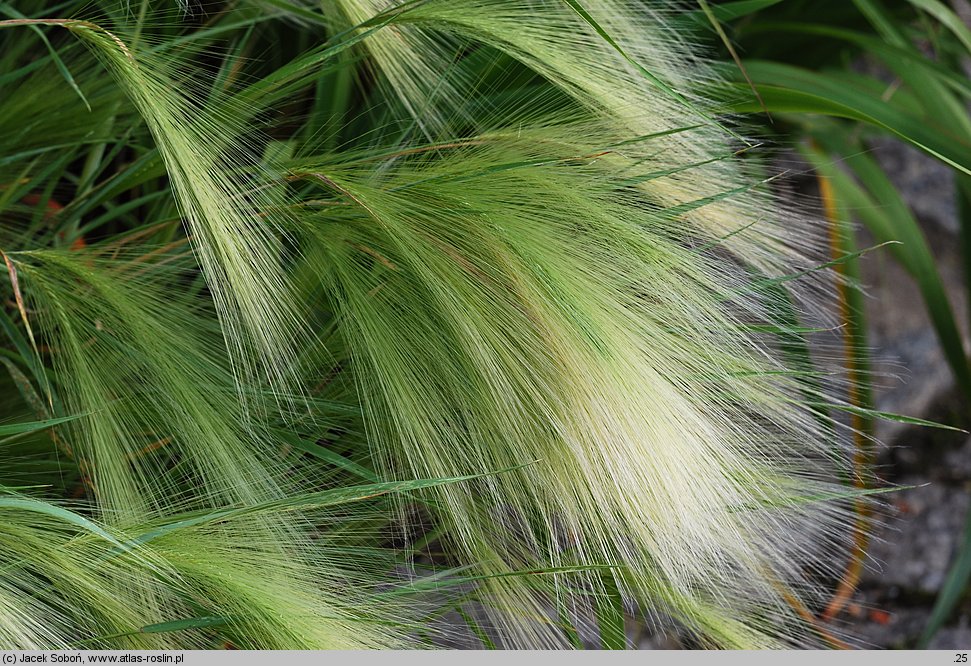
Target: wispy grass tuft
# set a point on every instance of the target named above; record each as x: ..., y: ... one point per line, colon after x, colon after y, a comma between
x: 498, y: 259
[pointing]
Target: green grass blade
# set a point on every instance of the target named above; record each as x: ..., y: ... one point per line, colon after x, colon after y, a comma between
x: 326, y: 455
x: 952, y: 590
x: 15, y: 502
x: 202, y: 622
x: 58, y: 62
x: 948, y: 18
x: 730, y: 11
x: 22, y: 428
x: 323, y: 499
x: 609, y: 609
x: 887, y: 416
x: 787, y: 89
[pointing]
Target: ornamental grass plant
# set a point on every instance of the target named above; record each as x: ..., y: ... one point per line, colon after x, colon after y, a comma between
x: 377, y: 324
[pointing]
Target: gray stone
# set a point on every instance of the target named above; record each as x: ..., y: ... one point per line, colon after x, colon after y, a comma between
x: 956, y: 463
x: 926, y: 184
x: 897, y: 628
x: 915, y: 548
x: 952, y: 638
